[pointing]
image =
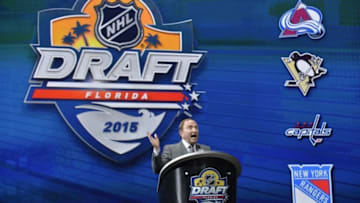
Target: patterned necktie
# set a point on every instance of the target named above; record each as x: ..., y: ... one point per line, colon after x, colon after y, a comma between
x: 192, y: 148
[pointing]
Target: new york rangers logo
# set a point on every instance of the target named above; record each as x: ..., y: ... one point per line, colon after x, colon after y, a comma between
x: 115, y: 72
x: 311, y: 183
x: 302, y: 20
x: 118, y: 25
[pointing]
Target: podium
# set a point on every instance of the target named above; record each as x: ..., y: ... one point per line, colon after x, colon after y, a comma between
x: 199, y: 177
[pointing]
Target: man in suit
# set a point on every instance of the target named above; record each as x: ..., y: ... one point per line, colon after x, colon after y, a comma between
x: 189, y: 133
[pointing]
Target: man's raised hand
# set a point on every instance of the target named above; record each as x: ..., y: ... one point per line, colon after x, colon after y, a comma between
x: 155, y: 142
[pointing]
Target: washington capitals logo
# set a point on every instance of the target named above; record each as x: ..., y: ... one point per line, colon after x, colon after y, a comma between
x: 302, y: 20
x: 311, y: 183
x: 304, y: 68
x: 310, y: 130
x: 115, y: 72
x: 209, y: 187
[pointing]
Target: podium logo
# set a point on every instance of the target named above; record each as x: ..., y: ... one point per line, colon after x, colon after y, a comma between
x: 208, y: 187
x: 311, y: 183
x: 114, y: 71
x: 304, y: 68
x: 310, y: 130
x: 302, y: 20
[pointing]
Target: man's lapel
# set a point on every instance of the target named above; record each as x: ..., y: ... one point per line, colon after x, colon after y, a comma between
x: 197, y: 147
x: 181, y: 148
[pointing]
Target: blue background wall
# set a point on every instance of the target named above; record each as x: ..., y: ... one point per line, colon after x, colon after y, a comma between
x: 246, y: 107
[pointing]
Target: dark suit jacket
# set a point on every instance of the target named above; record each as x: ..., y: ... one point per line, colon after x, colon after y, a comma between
x: 171, y: 152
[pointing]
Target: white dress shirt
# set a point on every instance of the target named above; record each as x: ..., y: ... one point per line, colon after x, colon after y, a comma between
x: 187, y: 145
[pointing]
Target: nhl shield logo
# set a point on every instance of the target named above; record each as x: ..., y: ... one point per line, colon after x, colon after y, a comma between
x: 311, y: 183
x: 118, y: 25
x: 115, y: 72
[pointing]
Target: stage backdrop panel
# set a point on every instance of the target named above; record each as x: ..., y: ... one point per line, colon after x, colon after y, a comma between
x: 246, y: 108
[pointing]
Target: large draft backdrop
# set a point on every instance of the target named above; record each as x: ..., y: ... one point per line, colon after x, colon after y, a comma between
x: 251, y: 102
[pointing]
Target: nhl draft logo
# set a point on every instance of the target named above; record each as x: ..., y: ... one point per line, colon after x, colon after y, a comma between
x: 310, y: 130
x: 208, y: 187
x: 114, y: 71
x: 302, y: 20
x: 304, y: 68
x: 311, y: 183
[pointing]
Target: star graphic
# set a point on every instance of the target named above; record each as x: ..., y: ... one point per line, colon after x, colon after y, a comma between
x: 185, y: 106
x: 194, y: 96
x: 187, y: 87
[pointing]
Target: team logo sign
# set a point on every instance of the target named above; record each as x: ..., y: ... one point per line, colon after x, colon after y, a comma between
x: 304, y: 68
x: 310, y: 130
x: 302, y: 20
x: 208, y: 187
x: 311, y: 183
x: 115, y: 72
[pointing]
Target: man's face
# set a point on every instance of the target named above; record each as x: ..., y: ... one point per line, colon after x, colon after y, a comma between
x: 190, y: 132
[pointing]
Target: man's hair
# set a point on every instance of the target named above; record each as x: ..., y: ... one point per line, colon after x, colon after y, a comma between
x: 181, y: 125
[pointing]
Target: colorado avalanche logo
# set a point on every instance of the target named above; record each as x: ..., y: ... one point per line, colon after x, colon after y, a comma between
x: 118, y: 25
x: 302, y: 20
x: 115, y: 72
